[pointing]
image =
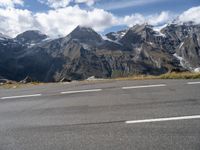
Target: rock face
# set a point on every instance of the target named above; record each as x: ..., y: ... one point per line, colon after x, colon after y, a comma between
x: 116, y: 36
x: 30, y: 37
x: 84, y: 53
x: 185, y: 41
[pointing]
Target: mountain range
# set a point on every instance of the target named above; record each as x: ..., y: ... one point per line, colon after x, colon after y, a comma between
x: 141, y: 49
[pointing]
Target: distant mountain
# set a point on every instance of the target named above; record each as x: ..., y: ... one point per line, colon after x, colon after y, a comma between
x: 4, y: 37
x: 116, y: 36
x: 83, y: 53
x: 84, y: 34
x: 30, y: 37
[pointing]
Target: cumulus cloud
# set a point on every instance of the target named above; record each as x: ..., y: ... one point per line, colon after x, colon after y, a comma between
x: 61, y: 21
x: 10, y: 3
x: 14, y: 21
x: 64, y: 20
x: 56, y: 3
x: 161, y: 18
x: 57, y: 22
x: 133, y: 20
x: 156, y: 19
x: 192, y: 14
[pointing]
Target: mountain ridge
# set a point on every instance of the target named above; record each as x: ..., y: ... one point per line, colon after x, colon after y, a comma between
x: 84, y: 53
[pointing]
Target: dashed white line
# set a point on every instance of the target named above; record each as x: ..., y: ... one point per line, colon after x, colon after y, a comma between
x: 163, y: 119
x: 95, y: 90
x: 191, y: 83
x: 81, y: 91
x: 21, y: 96
x: 144, y: 86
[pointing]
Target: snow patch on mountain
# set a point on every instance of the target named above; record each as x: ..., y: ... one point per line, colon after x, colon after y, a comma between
x: 116, y: 36
x: 158, y: 30
x: 183, y: 62
x: 119, y: 35
x: 197, y: 69
x: 181, y: 45
x: 114, y: 41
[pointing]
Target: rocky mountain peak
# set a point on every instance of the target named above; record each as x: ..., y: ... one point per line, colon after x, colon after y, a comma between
x: 85, y: 34
x: 116, y: 36
x: 30, y: 37
x: 137, y: 35
x: 143, y: 27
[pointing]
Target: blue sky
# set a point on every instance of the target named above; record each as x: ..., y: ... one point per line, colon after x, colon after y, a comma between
x: 176, y: 6
x: 59, y: 17
x: 145, y: 7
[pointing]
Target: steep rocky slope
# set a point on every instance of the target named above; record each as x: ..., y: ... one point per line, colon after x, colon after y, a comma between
x: 185, y: 41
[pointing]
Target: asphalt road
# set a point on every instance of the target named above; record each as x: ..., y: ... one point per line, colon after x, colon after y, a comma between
x: 106, y: 115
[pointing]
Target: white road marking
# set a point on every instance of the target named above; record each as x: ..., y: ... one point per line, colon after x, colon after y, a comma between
x: 163, y: 119
x: 144, y: 86
x: 191, y: 83
x: 21, y: 96
x: 81, y: 91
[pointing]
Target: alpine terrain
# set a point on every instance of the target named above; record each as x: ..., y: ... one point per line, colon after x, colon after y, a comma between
x: 141, y: 49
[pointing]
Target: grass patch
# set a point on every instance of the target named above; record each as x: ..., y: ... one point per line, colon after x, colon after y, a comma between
x: 172, y: 75
x: 15, y: 85
x: 183, y: 75
x: 137, y: 77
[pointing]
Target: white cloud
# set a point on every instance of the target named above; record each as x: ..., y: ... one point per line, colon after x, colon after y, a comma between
x: 56, y: 3
x: 88, y: 2
x: 64, y: 3
x: 156, y: 19
x: 54, y: 22
x: 61, y: 21
x: 133, y: 20
x: 161, y: 18
x: 192, y: 14
x: 14, y: 21
x: 64, y: 20
x: 10, y: 3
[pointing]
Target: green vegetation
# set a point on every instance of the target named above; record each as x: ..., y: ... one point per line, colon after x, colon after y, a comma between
x: 172, y: 75
x: 184, y: 75
x: 13, y: 85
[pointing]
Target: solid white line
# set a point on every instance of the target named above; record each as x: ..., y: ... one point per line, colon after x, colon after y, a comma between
x: 191, y: 83
x: 163, y: 119
x: 81, y: 91
x: 144, y: 86
x: 21, y: 96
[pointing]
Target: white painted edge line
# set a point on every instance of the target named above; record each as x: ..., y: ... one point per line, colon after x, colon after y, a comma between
x: 191, y: 83
x: 163, y: 119
x: 21, y: 96
x: 144, y: 86
x: 81, y: 91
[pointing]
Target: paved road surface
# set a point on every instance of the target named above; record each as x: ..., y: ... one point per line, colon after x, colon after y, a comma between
x: 111, y: 115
